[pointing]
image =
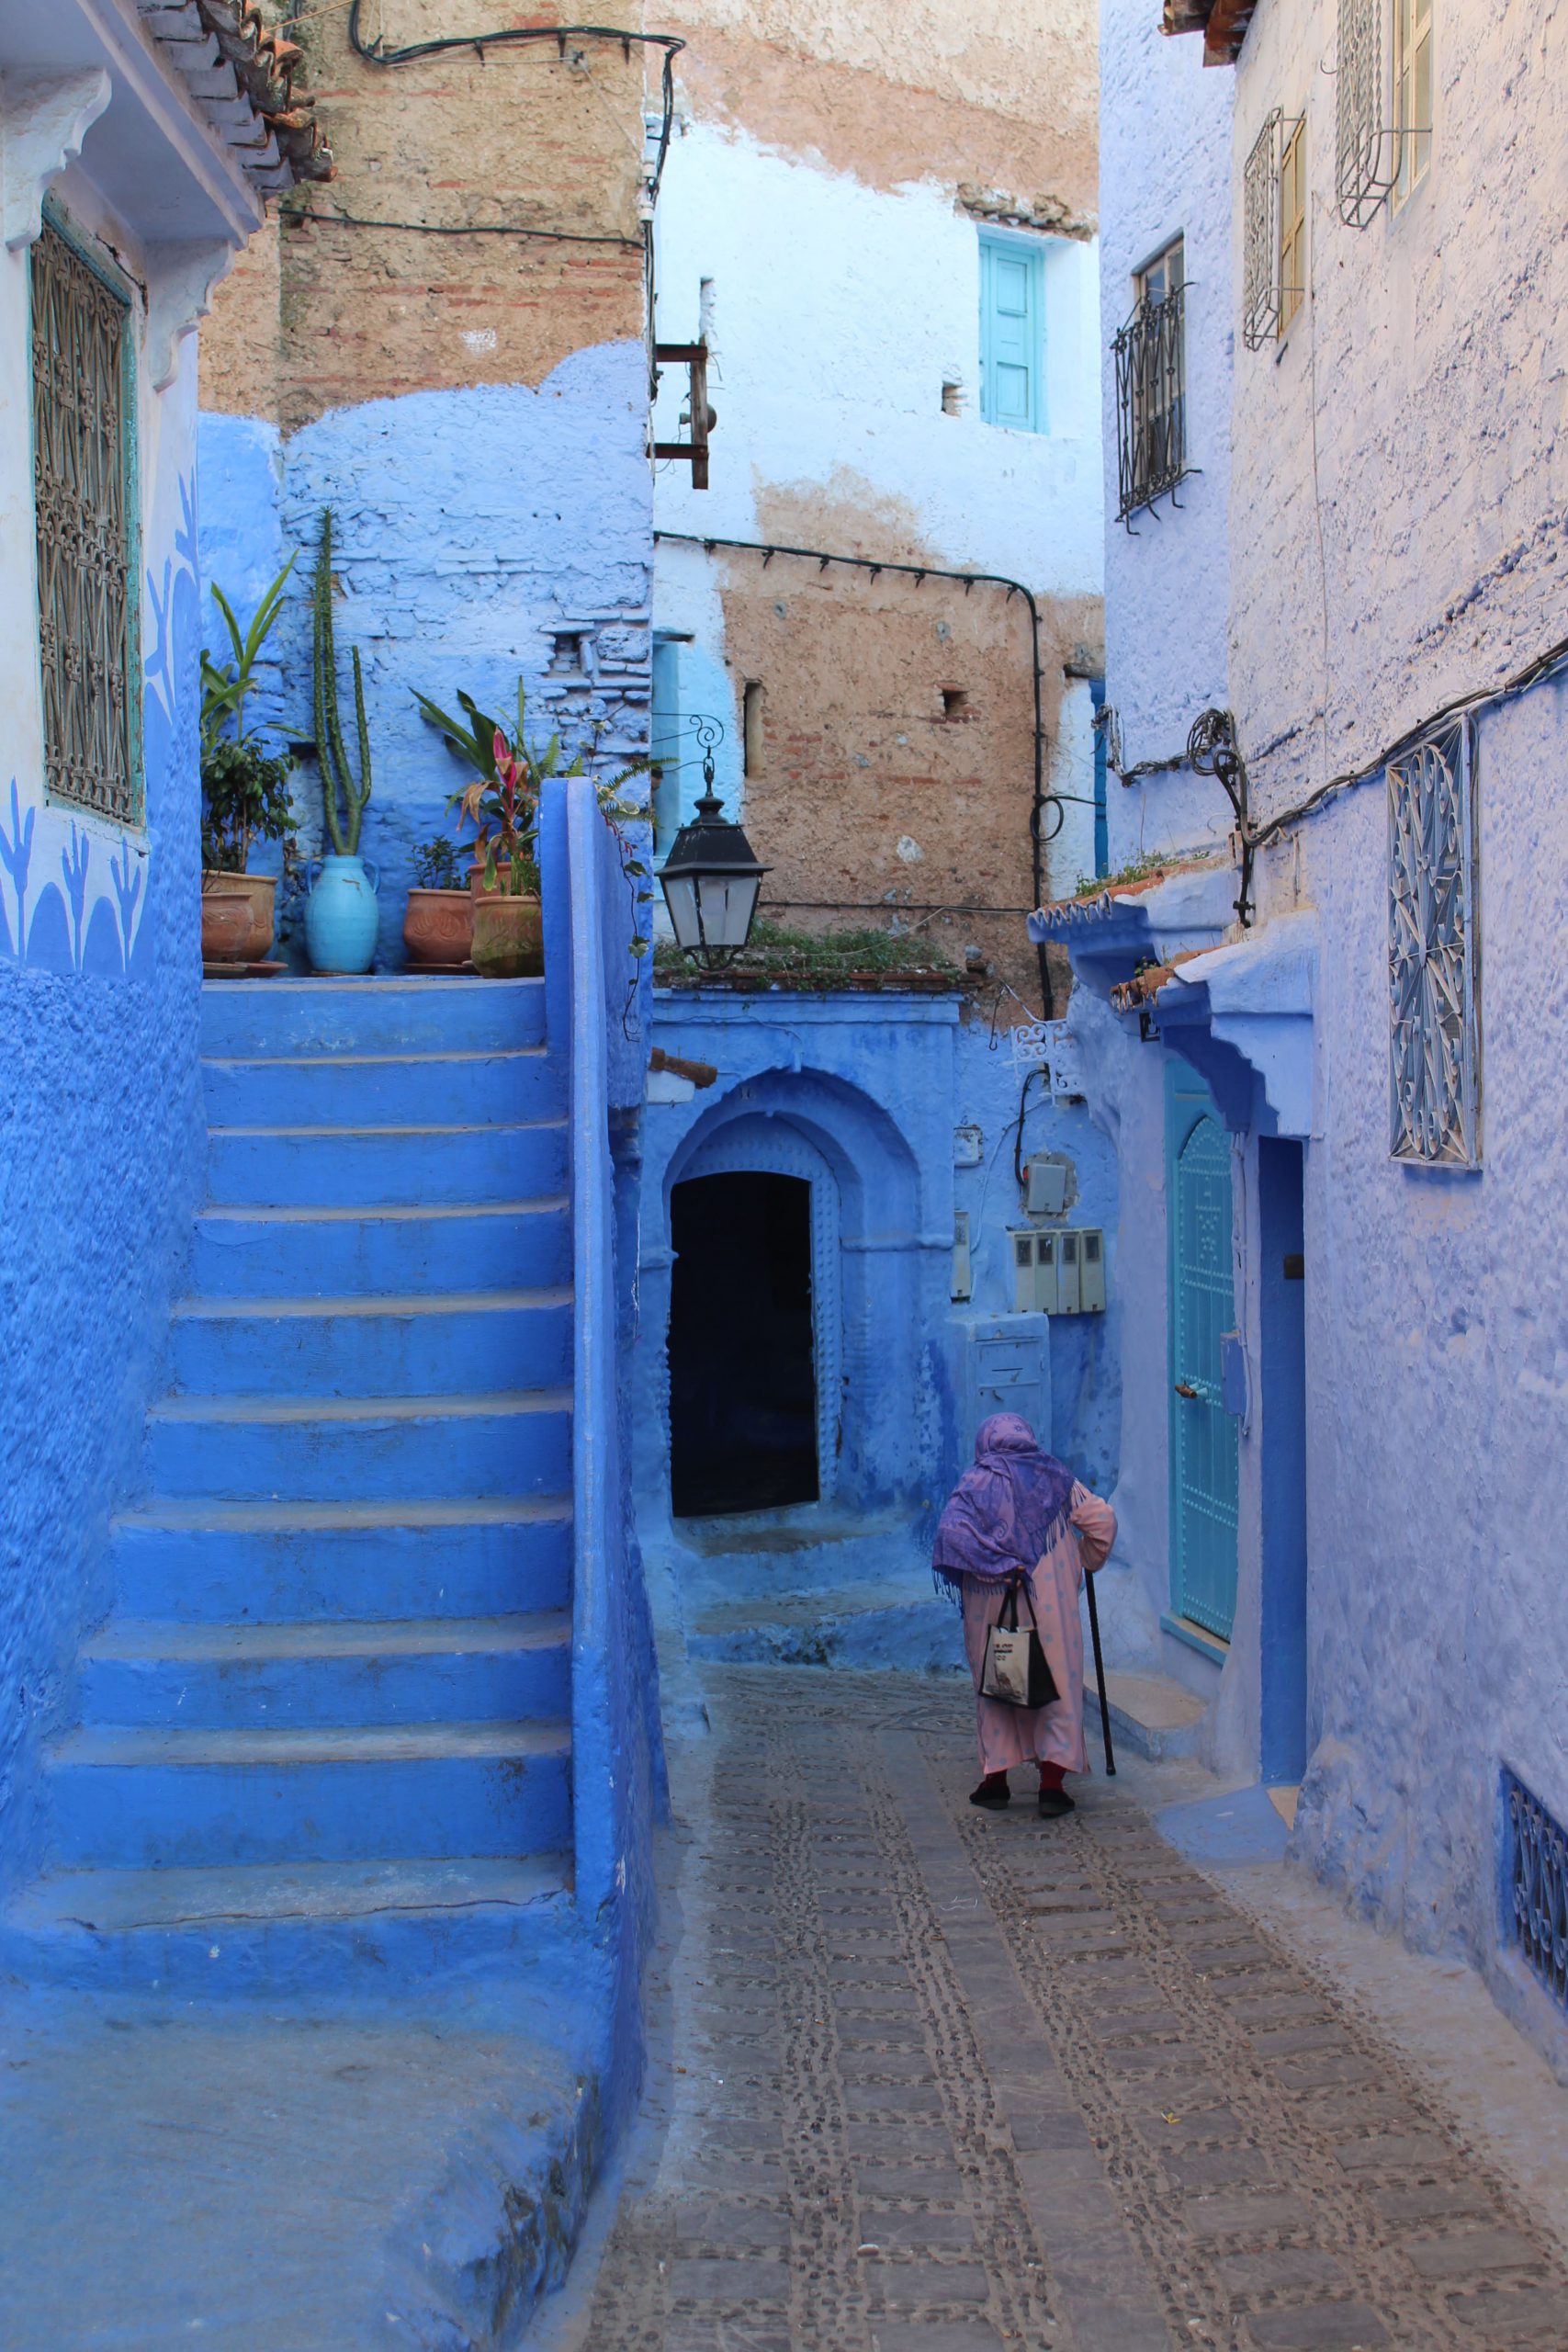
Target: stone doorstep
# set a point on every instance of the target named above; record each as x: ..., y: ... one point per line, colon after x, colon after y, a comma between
x: 1150, y: 1715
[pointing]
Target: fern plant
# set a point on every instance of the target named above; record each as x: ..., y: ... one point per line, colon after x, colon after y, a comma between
x: 343, y: 800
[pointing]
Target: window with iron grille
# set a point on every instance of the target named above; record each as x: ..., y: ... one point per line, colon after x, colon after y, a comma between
x: 1535, y: 1889
x: 83, y: 496
x: 1274, y: 229
x: 1383, y: 104
x: 1151, y: 385
x: 1434, y: 1024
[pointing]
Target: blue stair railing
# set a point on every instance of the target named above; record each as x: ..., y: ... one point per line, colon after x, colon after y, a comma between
x: 591, y: 995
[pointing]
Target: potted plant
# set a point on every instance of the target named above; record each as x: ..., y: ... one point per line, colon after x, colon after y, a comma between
x: 245, y: 794
x: 438, y: 926
x: 508, y: 926
x: 340, y: 913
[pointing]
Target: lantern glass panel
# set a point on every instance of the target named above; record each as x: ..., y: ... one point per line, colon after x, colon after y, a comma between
x: 681, y: 898
x: 726, y: 902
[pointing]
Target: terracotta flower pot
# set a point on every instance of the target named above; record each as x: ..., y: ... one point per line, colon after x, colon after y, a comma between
x: 259, y: 892
x: 438, y: 927
x: 225, y: 927
x: 508, y: 940
x: 477, y: 879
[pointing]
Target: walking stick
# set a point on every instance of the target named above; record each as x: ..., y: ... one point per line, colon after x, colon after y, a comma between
x: 1099, y: 1674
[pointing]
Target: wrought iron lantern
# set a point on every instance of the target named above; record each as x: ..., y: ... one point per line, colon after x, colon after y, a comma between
x: 710, y: 881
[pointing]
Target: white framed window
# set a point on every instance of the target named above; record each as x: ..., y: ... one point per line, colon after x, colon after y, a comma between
x: 1274, y: 229
x: 1411, y: 93
x: 1150, y: 352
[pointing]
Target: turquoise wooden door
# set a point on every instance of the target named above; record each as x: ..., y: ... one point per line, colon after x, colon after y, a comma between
x: 1203, y: 1305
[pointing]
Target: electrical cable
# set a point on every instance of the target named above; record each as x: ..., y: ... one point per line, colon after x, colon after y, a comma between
x: 376, y: 52
x: 465, y: 229
x: 1042, y: 798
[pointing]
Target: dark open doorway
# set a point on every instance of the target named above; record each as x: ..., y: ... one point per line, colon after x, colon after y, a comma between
x: 742, y: 1372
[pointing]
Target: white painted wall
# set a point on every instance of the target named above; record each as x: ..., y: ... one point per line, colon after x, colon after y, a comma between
x: 835, y: 314
x: 1164, y: 170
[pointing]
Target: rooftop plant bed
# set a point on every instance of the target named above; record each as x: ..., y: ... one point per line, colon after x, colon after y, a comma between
x: 817, y: 962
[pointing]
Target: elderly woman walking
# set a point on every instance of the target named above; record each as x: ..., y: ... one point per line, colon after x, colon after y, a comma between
x: 1019, y: 1513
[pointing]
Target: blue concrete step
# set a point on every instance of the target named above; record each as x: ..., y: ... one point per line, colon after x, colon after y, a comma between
x: 256, y: 1449
x: 383, y: 1090
x: 479, y: 1556
x: 370, y: 1016
x: 373, y: 1166
x: 266, y: 1253
x: 287, y: 1931
x: 155, y: 1799
x: 483, y: 1669
x: 380, y: 1346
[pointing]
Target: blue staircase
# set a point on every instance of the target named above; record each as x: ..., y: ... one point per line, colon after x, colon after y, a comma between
x: 323, y: 1738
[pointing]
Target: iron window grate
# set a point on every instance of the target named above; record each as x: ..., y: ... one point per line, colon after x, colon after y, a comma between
x: 1272, y: 245
x: 1433, y: 960
x: 82, y: 477
x: 1382, y: 104
x: 1535, y: 1899
x: 1151, y: 401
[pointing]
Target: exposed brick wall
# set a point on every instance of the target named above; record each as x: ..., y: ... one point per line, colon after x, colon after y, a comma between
x: 516, y: 135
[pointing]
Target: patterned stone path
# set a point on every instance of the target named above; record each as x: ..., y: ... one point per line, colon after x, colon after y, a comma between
x: 944, y: 2081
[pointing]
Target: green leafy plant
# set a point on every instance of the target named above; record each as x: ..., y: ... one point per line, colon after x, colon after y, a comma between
x: 223, y: 691
x: 435, y: 865
x: 343, y: 800
x: 244, y: 788
x: 245, y: 797
x: 505, y: 814
x: 475, y: 742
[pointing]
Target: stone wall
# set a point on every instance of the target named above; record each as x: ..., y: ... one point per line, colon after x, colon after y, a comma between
x: 518, y: 135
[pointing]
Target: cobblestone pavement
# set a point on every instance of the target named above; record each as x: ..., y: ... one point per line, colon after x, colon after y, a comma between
x: 944, y: 2081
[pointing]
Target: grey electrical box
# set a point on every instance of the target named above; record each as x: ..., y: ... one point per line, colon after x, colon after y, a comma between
x: 1047, y: 1187
x: 1010, y: 1372
x: 1033, y: 1272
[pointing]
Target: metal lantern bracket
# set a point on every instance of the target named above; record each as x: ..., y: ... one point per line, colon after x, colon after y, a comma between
x: 694, y: 357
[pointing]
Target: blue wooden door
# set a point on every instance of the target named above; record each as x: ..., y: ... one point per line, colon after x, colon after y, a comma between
x: 1202, y: 1306
x: 1012, y: 336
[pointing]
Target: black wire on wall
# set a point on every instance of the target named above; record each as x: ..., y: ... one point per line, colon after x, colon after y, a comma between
x: 376, y: 52
x: 823, y: 557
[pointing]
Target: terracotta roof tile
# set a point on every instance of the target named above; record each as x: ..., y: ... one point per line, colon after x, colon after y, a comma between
x: 1223, y: 23
x: 240, y: 73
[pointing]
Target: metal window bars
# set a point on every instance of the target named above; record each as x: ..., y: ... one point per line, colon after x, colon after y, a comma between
x: 1151, y: 401
x: 82, y: 475
x: 1264, y: 290
x: 1370, y: 131
x: 1535, y: 1895
x: 1434, y: 1024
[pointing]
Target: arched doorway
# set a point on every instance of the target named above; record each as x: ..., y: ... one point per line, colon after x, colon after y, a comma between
x: 743, y: 1386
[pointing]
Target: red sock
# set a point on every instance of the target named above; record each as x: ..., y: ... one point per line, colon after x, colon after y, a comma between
x: 993, y: 1780
x: 1052, y: 1776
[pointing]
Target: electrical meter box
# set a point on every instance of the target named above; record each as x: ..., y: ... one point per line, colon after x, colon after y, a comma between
x: 1009, y: 1371
x: 1061, y: 1271
x: 1069, y: 1294
x: 1091, y: 1270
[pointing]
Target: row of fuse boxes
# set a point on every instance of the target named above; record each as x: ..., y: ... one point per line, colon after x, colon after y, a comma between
x: 1058, y: 1273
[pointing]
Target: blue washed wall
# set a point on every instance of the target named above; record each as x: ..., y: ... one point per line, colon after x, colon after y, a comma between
x: 883, y: 1082
x: 470, y: 527
x: 101, y: 1142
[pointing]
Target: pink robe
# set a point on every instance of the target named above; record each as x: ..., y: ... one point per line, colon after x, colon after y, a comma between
x: 1052, y: 1734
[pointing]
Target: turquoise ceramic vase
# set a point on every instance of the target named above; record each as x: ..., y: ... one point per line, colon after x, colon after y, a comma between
x: 340, y: 913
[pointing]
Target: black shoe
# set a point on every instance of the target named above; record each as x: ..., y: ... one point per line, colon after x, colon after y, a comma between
x: 1054, y: 1803
x: 991, y: 1793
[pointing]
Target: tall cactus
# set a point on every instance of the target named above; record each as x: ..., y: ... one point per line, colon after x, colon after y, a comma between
x: 343, y: 800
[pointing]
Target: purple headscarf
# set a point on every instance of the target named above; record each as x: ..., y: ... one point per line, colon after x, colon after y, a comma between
x: 1005, y: 1511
